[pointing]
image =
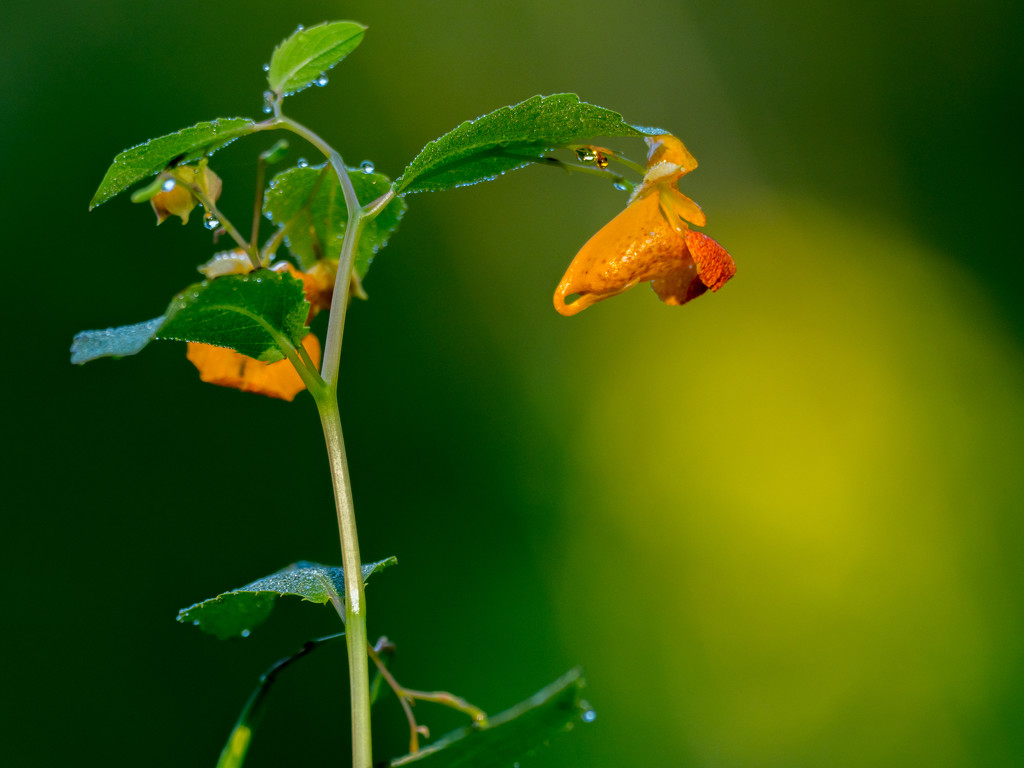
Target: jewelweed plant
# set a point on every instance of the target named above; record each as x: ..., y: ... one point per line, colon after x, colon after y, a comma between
x: 246, y: 325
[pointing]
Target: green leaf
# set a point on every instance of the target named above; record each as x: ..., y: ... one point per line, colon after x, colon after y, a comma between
x: 114, y: 342
x: 512, y: 735
x: 301, y: 60
x: 234, y: 751
x: 510, y: 138
x: 186, y: 145
x: 317, y: 228
x: 234, y: 613
x: 254, y: 314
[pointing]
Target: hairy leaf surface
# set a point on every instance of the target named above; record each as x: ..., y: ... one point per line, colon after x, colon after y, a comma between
x: 248, y: 313
x: 511, y: 735
x: 234, y: 613
x: 188, y: 144
x: 317, y: 229
x: 510, y: 138
x: 252, y: 314
x: 301, y: 59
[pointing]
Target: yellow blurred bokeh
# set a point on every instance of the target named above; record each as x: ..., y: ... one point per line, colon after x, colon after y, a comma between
x: 786, y: 497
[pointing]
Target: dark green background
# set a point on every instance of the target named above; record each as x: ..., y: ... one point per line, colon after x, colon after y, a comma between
x: 780, y: 526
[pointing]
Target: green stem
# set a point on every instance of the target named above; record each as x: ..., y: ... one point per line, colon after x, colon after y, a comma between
x: 554, y: 162
x: 326, y: 397
x: 353, y: 228
x: 355, y: 602
x: 257, y: 206
x: 212, y: 210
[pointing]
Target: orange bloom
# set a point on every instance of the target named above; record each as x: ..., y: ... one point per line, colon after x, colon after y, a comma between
x: 228, y: 368
x: 650, y: 241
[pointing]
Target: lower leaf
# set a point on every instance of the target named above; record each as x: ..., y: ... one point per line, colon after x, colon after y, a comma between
x: 511, y: 735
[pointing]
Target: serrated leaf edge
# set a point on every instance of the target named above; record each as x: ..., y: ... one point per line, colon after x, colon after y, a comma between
x: 401, y: 184
x: 214, y: 145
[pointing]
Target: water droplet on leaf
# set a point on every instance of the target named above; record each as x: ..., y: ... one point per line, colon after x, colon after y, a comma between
x: 303, y: 163
x: 246, y: 633
x: 266, y: 67
x: 168, y: 185
x: 366, y: 166
x: 268, y: 102
x: 210, y: 222
x: 586, y: 154
x: 321, y: 81
x: 299, y: 28
x: 588, y: 716
x: 620, y: 185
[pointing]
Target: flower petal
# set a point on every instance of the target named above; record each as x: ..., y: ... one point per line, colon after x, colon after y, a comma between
x: 228, y: 368
x: 178, y: 201
x: 637, y: 245
x: 714, y: 264
x: 675, y: 206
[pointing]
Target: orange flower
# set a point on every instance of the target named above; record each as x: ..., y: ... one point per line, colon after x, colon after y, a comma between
x: 649, y: 241
x: 228, y: 368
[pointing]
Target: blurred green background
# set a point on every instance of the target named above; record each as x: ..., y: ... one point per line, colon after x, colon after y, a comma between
x: 780, y: 526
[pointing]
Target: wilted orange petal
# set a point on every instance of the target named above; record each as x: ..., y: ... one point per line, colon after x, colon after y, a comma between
x: 228, y: 368
x: 178, y: 201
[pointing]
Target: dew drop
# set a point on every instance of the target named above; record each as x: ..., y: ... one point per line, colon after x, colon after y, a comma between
x: 268, y: 102
x: 195, y: 623
x: 246, y: 633
x: 168, y: 185
x: 303, y: 163
x: 586, y: 154
x: 266, y: 67
x: 210, y: 223
x: 366, y: 166
x: 321, y: 81
x: 620, y: 185
x: 588, y: 716
x: 299, y: 28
